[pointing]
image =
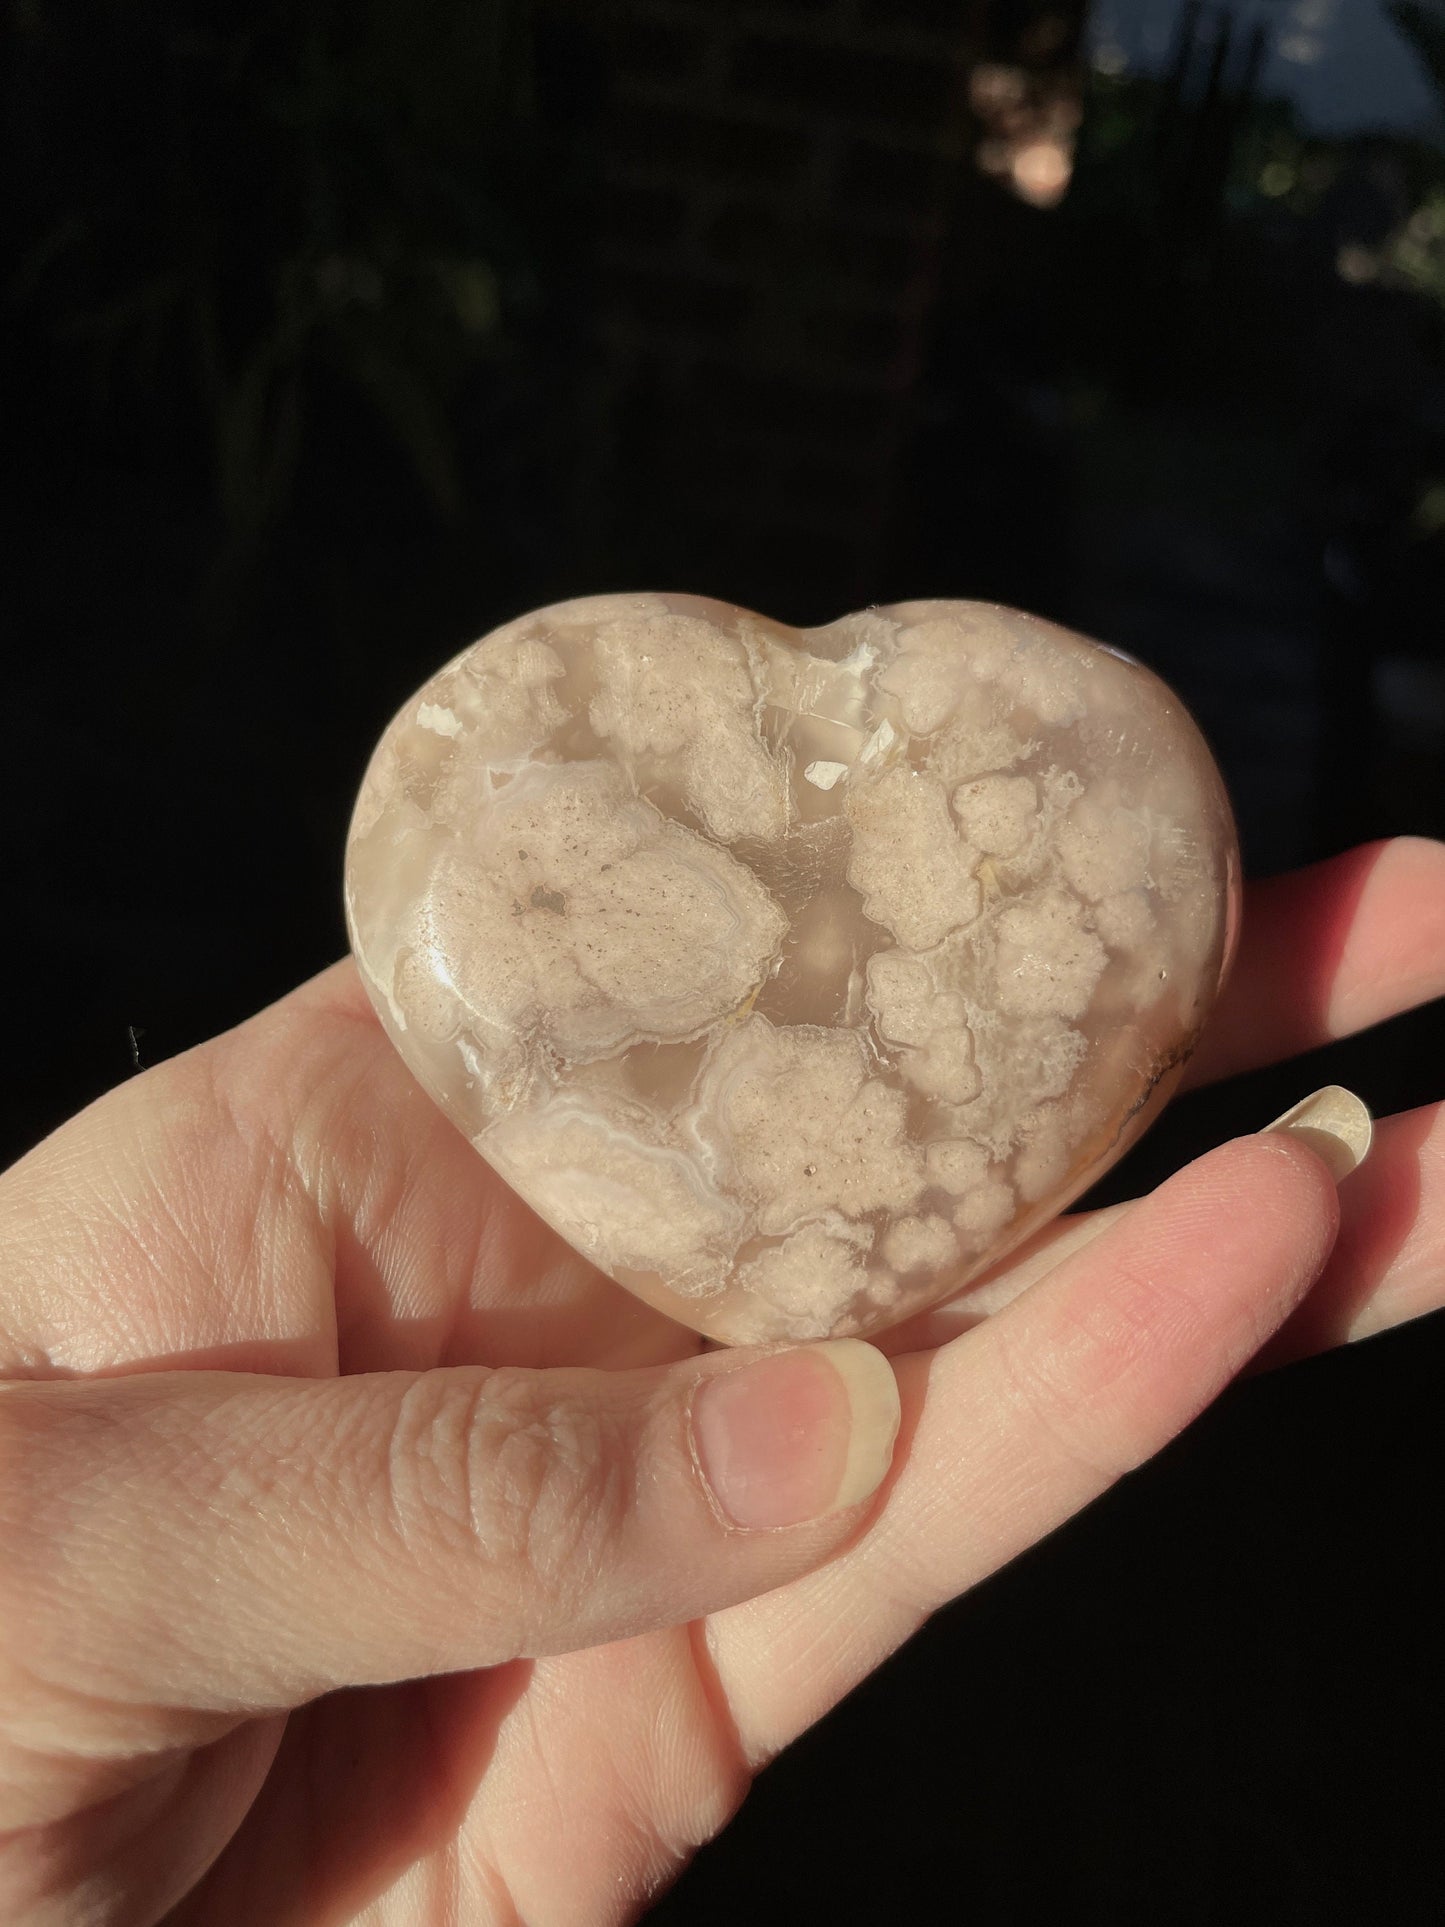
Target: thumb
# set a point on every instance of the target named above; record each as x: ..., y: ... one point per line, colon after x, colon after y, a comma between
x: 239, y: 1543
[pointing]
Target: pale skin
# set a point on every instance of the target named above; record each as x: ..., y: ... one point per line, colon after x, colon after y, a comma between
x: 356, y: 1562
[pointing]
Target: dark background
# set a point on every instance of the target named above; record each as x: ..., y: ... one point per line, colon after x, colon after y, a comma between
x: 339, y: 333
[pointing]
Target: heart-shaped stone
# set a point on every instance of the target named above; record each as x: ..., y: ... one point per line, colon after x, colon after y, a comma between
x: 793, y: 976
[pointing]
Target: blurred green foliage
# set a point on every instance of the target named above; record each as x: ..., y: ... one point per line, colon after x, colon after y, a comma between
x: 231, y: 206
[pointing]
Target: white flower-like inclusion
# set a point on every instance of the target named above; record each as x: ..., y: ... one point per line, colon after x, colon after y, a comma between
x: 793, y: 976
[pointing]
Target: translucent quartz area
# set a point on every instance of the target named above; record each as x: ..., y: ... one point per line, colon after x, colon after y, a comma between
x: 793, y: 976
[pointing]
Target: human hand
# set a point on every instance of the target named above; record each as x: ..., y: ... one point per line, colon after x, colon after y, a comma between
x: 300, y: 1400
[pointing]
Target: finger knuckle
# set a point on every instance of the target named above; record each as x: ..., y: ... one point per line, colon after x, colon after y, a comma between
x: 1104, y: 1381
x: 523, y: 1480
x: 1064, y: 1388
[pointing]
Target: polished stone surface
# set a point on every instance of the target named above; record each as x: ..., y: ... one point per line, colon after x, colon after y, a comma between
x: 794, y: 976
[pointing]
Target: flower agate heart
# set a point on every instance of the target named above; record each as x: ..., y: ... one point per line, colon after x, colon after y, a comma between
x: 793, y: 975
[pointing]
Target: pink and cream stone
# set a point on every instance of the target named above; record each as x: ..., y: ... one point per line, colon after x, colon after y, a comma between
x: 793, y: 975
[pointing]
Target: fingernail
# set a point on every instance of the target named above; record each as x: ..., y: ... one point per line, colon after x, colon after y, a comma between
x: 797, y: 1434
x: 1335, y: 1124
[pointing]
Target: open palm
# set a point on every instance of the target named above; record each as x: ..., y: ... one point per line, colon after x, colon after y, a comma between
x: 199, y: 1706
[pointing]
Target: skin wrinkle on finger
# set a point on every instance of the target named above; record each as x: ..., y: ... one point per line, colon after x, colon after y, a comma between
x: 365, y: 1530
x: 357, y: 1130
x: 1041, y: 1386
x: 433, y: 1250
x: 386, y: 1222
x: 141, y: 1850
x: 1087, y: 1371
x: 176, y: 1227
x: 655, y: 1841
x: 676, y: 1788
